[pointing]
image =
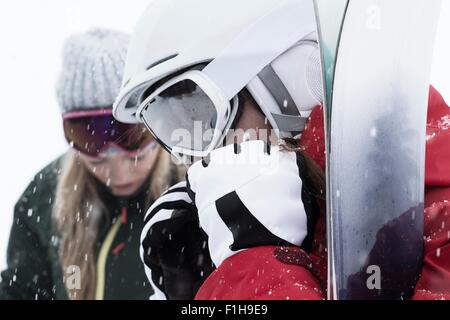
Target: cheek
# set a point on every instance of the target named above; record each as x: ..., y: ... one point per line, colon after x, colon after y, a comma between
x: 146, y: 164
x: 101, y: 171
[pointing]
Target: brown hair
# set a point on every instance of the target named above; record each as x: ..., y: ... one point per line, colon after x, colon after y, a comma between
x: 313, y: 175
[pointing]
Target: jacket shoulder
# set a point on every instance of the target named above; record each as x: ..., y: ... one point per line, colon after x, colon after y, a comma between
x: 43, y: 183
x: 34, y: 207
x: 32, y: 255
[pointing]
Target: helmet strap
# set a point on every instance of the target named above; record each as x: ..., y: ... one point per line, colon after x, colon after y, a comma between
x: 290, y: 119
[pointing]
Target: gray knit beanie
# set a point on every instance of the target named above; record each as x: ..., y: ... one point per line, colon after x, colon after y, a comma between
x: 92, y: 70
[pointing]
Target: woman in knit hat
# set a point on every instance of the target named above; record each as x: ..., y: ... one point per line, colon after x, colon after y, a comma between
x: 76, y: 228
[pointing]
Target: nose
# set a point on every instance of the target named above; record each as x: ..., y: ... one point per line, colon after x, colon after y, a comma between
x: 119, y: 171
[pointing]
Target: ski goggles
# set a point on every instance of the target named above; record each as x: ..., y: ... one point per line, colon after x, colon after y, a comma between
x: 191, y: 113
x: 94, y: 132
x: 187, y: 115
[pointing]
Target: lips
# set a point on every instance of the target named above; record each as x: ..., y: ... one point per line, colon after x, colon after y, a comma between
x: 122, y: 188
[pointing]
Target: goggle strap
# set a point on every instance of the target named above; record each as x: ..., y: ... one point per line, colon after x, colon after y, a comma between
x: 278, y: 90
x: 286, y: 123
x: 260, y: 44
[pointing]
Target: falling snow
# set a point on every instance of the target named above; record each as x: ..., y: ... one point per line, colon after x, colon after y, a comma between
x: 374, y: 132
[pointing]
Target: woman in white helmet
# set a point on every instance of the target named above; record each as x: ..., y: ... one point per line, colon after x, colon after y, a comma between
x: 201, y: 74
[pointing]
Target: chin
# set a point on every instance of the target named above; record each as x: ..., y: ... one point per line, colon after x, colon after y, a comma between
x: 124, y: 192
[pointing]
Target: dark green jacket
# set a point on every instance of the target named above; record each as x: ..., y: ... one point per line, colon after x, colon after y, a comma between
x: 34, y: 271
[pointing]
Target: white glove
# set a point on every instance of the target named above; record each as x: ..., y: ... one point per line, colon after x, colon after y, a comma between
x: 252, y: 198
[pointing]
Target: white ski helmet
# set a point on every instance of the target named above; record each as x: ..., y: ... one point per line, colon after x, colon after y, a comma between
x: 266, y: 46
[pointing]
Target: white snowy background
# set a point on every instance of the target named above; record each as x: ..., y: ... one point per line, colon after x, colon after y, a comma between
x: 31, y: 38
x: 31, y: 35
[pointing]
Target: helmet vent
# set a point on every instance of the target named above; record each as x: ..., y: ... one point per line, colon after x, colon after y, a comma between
x: 172, y: 56
x: 314, y: 75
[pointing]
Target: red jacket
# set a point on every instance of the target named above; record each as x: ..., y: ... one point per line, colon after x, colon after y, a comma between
x: 277, y: 273
x: 435, y: 279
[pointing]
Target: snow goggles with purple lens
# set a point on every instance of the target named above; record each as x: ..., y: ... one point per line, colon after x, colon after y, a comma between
x: 93, y: 132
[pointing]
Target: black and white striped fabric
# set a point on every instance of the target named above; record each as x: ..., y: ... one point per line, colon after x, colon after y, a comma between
x: 248, y: 195
x: 174, y: 248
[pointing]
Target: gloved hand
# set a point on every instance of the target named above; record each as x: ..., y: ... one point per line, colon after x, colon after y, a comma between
x: 248, y: 195
x: 174, y: 248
